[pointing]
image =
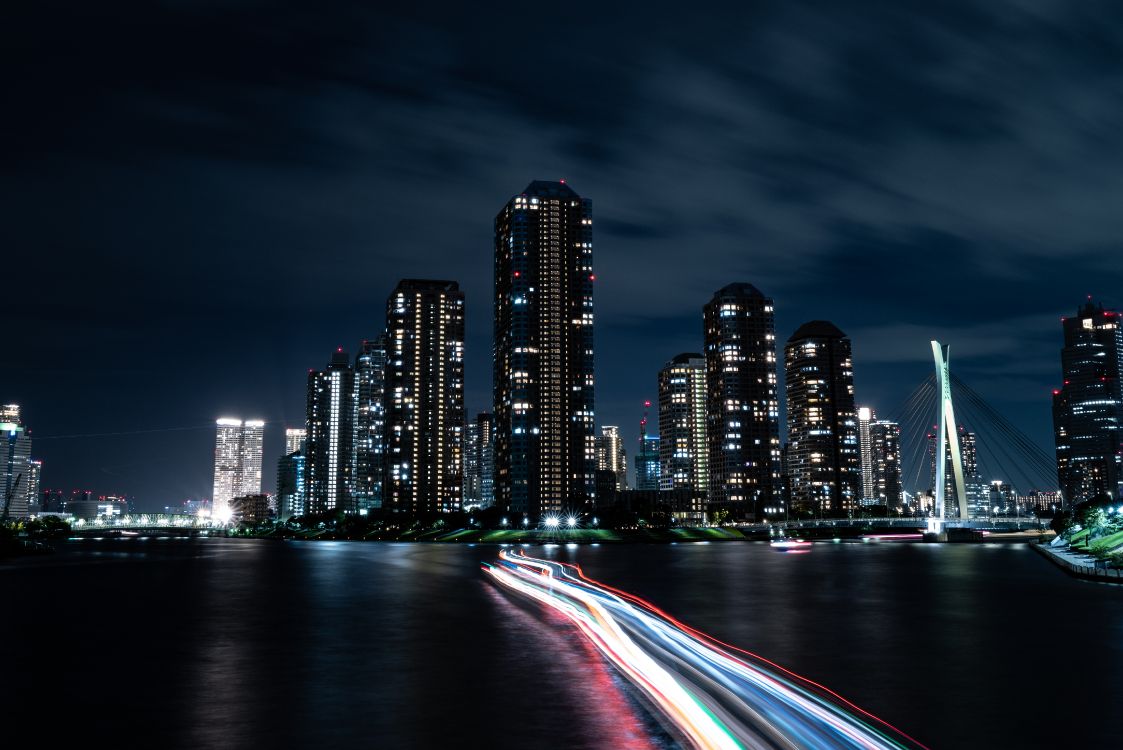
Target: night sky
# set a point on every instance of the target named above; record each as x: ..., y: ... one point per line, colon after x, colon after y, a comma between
x: 201, y: 200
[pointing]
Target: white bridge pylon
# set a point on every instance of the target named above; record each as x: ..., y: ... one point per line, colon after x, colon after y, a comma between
x: 947, y: 434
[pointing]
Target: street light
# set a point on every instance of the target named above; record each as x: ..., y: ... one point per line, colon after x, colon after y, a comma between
x: 571, y: 521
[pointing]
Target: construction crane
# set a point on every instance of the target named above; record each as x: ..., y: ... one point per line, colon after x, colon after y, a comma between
x: 8, y: 498
x: 643, y: 424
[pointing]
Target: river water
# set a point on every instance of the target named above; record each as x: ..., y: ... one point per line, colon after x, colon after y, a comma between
x: 213, y: 643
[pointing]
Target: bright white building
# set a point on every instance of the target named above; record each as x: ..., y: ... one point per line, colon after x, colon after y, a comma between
x: 237, y: 462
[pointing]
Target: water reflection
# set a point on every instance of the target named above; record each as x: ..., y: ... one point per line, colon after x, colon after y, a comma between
x: 247, y: 643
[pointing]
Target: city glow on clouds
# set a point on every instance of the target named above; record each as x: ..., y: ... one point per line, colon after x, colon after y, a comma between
x: 715, y: 697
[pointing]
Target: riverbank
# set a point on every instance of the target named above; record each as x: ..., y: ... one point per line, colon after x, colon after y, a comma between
x: 528, y: 536
x: 1078, y: 564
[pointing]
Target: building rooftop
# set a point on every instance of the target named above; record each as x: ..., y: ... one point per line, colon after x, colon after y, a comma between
x: 427, y: 285
x: 739, y: 288
x: 685, y: 358
x: 548, y: 189
x: 817, y: 329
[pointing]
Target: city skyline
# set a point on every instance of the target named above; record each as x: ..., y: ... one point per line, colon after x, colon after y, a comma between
x: 770, y: 155
x: 288, y: 431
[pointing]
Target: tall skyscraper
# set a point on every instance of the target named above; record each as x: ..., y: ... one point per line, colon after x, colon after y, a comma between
x: 370, y: 424
x: 485, y: 423
x: 227, y: 472
x: 611, y: 455
x: 822, y: 422
x: 885, y: 463
x: 237, y: 462
x: 647, y: 463
x: 294, y: 439
x: 977, y: 504
x: 545, y: 451
x: 330, y: 444
x: 683, y: 452
x: 742, y: 407
x: 15, y: 457
x: 479, y: 462
x: 253, y: 442
x: 424, y: 397
x: 647, y: 457
x: 290, y: 485
x: 1088, y: 407
x: 865, y: 417
x: 34, y: 475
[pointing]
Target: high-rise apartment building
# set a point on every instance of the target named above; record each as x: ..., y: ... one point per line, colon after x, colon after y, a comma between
x: 865, y: 417
x: 742, y: 407
x: 611, y: 455
x: 34, y: 476
x: 683, y: 452
x: 545, y: 451
x: 885, y: 463
x: 330, y: 442
x: 290, y: 485
x: 823, y: 457
x: 370, y: 424
x: 294, y: 439
x: 15, y: 458
x: 479, y: 462
x: 1088, y: 407
x: 424, y: 397
x: 647, y: 463
x: 237, y: 462
x: 253, y: 443
x: 977, y: 505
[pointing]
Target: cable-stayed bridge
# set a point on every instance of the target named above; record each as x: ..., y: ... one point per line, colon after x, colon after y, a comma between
x: 989, y: 469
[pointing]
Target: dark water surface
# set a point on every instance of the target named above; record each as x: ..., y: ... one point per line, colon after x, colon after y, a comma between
x: 242, y: 643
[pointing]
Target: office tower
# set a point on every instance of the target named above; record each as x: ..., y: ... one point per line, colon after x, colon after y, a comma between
x: 51, y: 501
x: 34, y: 474
x: 370, y: 424
x: 294, y: 439
x: 424, y: 397
x: 647, y: 464
x: 647, y: 457
x: 227, y: 473
x: 479, y: 462
x: 683, y: 453
x: 485, y: 425
x: 1002, y: 498
x: 885, y: 463
x: 972, y: 476
x: 1088, y: 407
x: 611, y: 455
x: 290, y: 485
x: 15, y: 458
x: 742, y: 410
x: 972, y: 479
x: 330, y: 443
x: 472, y: 473
x: 822, y: 421
x: 545, y: 455
x: 865, y: 416
x: 253, y: 439
x: 237, y: 462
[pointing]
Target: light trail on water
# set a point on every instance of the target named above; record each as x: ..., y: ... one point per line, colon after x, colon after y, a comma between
x: 716, y: 695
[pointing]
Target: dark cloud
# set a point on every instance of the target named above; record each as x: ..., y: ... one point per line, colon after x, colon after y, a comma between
x: 203, y: 199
